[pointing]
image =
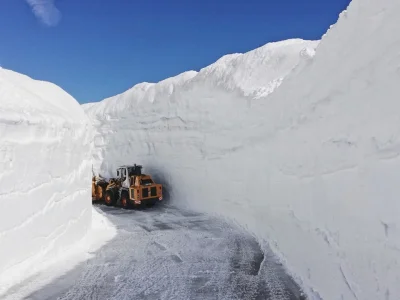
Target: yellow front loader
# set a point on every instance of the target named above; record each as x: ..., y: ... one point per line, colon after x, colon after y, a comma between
x: 130, y: 188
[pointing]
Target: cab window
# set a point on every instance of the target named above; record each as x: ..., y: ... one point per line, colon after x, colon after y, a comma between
x: 147, y: 181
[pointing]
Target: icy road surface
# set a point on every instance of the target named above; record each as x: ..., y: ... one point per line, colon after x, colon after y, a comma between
x: 168, y: 253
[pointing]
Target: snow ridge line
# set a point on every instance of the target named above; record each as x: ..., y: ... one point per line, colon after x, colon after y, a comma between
x: 348, y: 283
x: 49, y: 205
x: 53, y: 236
x: 63, y: 180
x: 10, y: 118
x: 34, y: 263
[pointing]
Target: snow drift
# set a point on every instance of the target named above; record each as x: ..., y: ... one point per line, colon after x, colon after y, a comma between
x: 45, y: 171
x: 304, y: 154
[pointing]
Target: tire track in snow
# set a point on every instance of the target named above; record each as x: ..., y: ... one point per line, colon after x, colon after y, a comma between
x: 168, y: 253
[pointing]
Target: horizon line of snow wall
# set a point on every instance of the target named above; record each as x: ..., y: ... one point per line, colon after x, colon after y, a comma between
x: 313, y: 169
x: 45, y: 163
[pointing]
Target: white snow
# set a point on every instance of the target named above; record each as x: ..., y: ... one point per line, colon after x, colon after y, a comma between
x: 65, y: 263
x: 297, y: 141
x: 45, y: 173
x: 193, y: 100
x: 302, y: 150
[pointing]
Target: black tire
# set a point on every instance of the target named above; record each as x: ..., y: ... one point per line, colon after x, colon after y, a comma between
x: 151, y: 203
x: 99, y: 193
x: 110, y: 199
x: 125, y: 201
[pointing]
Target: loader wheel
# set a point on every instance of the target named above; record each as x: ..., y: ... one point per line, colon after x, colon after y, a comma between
x: 109, y: 198
x: 99, y: 193
x: 151, y: 203
x: 125, y: 202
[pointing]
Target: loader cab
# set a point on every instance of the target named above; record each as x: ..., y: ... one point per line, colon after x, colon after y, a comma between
x: 129, y: 174
x: 122, y: 174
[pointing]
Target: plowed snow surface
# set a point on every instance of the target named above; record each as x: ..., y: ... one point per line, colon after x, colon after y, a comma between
x: 168, y: 253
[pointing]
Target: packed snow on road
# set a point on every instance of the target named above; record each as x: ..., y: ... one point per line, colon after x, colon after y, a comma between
x: 170, y: 253
x: 279, y: 166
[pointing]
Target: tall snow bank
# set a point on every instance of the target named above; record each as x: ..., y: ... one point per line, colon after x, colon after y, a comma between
x: 332, y: 145
x: 312, y: 168
x: 190, y: 101
x: 45, y: 172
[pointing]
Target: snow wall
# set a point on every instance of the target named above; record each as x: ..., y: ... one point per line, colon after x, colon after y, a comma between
x: 45, y: 174
x: 305, y: 157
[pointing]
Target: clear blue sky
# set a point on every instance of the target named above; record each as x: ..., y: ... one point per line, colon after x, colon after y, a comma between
x: 100, y: 48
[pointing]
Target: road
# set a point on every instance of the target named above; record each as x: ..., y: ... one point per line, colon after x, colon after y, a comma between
x: 168, y: 253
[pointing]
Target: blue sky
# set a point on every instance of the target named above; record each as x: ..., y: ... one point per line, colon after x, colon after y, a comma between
x: 99, y: 48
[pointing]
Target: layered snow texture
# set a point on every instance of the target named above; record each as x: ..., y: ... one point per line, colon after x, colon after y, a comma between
x: 311, y: 167
x: 45, y: 172
x: 194, y: 101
